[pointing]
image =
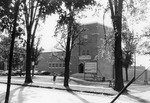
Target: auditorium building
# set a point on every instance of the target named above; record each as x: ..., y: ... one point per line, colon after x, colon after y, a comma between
x: 90, y: 52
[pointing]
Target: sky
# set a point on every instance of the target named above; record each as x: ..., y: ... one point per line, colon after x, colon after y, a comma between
x: 46, y: 31
x: 47, y: 28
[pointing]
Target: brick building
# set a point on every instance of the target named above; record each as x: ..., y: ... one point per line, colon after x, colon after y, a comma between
x: 92, y: 40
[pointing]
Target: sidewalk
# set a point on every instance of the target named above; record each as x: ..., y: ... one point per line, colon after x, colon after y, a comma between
x: 75, y: 84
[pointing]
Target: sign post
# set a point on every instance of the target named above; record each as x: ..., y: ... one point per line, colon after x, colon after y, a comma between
x: 90, y: 68
x: 33, y: 68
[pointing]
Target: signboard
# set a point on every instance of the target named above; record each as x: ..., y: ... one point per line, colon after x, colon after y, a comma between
x: 90, y: 67
x: 85, y: 57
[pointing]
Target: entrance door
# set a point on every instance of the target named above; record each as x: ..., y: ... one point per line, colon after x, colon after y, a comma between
x: 81, y: 68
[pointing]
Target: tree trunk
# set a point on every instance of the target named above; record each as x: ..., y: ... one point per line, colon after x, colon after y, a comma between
x: 118, y: 56
x: 11, y: 52
x: 126, y: 70
x: 68, y: 50
x: 67, y: 62
x: 116, y: 15
x: 28, y: 78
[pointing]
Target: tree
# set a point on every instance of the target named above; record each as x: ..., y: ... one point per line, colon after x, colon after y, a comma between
x: 4, y: 47
x: 144, y: 47
x: 31, y: 11
x: 129, y: 46
x: 67, y: 18
x: 34, y: 10
x: 16, y: 8
x: 116, y: 15
x: 136, y: 8
x: 19, y: 51
x: 36, y: 53
x: 9, y: 18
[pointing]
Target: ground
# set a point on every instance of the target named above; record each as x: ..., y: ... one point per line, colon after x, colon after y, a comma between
x: 43, y: 90
x: 26, y: 94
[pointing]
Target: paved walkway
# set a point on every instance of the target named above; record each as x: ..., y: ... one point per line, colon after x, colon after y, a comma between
x: 75, y: 84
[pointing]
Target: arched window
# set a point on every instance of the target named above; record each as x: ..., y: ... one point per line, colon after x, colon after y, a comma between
x: 81, y: 68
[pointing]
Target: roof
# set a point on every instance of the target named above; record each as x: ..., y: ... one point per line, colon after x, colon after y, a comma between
x: 52, y: 56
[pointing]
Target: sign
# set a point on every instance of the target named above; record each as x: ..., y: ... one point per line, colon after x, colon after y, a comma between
x: 90, y: 67
x: 85, y: 57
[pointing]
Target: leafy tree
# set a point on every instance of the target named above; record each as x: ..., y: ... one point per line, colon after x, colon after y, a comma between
x: 77, y: 30
x: 33, y: 11
x: 67, y: 16
x: 129, y: 47
x: 9, y: 18
x: 7, y: 12
x: 36, y: 53
x: 136, y: 11
x: 11, y: 26
x: 116, y: 7
x: 144, y: 47
x: 4, y: 47
x: 19, y: 51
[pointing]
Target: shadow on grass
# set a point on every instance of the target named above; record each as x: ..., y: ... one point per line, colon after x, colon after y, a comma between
x: 136, y: 98
x: 12, y: 94
x: 80, y: 98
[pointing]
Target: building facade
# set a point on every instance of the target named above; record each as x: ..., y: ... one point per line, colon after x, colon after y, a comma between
x: 87, y: 50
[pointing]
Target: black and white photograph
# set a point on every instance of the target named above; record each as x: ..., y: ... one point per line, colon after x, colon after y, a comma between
x: 74, y: 51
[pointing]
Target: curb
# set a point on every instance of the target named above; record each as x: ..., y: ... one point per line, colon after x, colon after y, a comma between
x: 60, y: 88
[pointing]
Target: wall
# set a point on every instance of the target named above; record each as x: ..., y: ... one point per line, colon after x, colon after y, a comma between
x: 87, y: 52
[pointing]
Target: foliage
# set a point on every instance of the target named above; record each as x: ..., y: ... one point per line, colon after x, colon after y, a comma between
x: 144, y: 47
x: 136, y: 10
x: 19, y: 51
x: 36, y: 52
x: 33, y: 11
x: 67, y: 13
x: 77, y: 30
x: 7, y: 18
x: 118, y: 9
x: 13, y: 35
x: 128, y: 50
x: 7, y: 11
x: 129, y: 42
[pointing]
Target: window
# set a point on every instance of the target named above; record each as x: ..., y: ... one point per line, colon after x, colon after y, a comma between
x: 56, y: 65
x: 53, y: 65
x: 83, y: 52
x: 87, y: 52
x: 63, y: 64
x: 49, y: 65
x: 59, y: 65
